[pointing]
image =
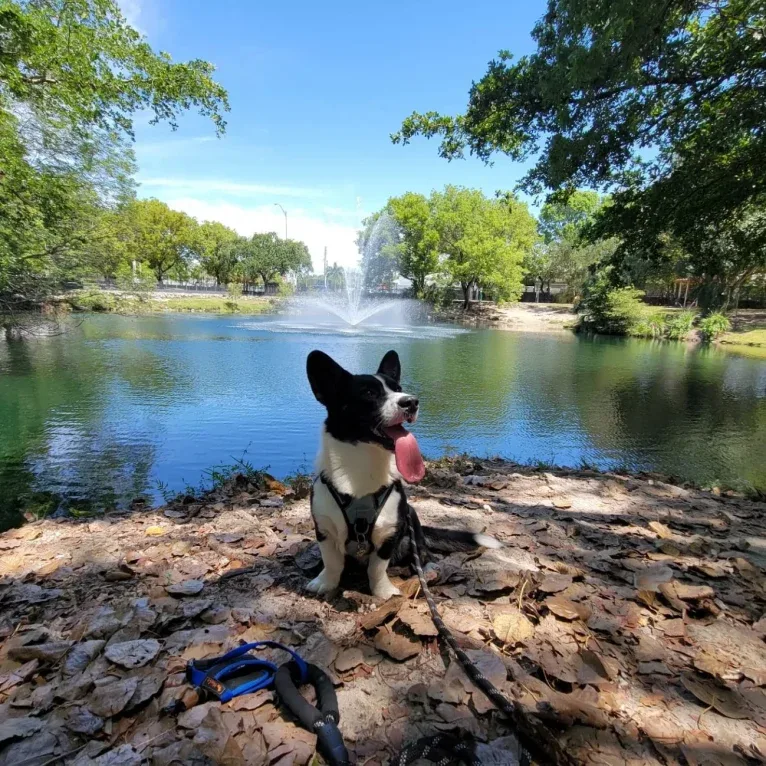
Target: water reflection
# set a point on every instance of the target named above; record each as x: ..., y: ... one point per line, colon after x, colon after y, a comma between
x: 106, y: 411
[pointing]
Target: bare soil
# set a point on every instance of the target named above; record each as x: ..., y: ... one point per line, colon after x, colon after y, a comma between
x: 526, y: 317
x: 625, y: 612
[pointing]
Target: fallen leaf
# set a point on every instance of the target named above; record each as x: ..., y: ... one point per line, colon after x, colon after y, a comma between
x: 594, y: 669
x: 124, y: 755
x: 395, y: 645
x: 652, y: 578
x: 81, y: 721
x: 252, y: 701
x: 215, y: 741
x: 29, y: 593
x: 185, y: 588
x: 554, y: 583
x: 111, y: 698
x: 512, y: 627
x: 649, y: 649
x: 382, y: 613
x: 691, y: 592
x: 725, y: 701
x: 133, y: 654
x: 18, y: 728
x: 51, y: 652
x: 348, y: 659
x: 149, y: 685
x: 566, y: 609
x: 417, y: 620
x: 80, y: 656
x: 18, y: 676
x: 660, y: 529
x: 155, y: 531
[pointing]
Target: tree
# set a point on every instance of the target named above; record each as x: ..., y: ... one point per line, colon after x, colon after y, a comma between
x: 484, y: 240
x: 217, y: 249
x: 378, y: 244
x: 166, y: 240
x: 265, y: 256
x: 71, y: 76
x: 336, y: 277
x: 419, y: 239
x: 659, y: 101
x: 565, y: 253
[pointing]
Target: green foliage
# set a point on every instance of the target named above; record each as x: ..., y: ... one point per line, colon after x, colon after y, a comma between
x: 165, y: 239
x: 484, y: 240
x: 234, y: 290
x: 139, y: 281
x: 418, y: 250
x: 679, y: 325
x: 615, y: 311
x: 72, y: 75
x: 217, y: 250
x: 714, y: 325
x: 607, y: 82
x: 266, y: 256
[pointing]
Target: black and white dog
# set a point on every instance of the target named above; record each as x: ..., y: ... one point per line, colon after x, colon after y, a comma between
x: 358, y: 501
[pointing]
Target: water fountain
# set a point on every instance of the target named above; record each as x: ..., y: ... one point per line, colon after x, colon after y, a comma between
x: 354, y: 310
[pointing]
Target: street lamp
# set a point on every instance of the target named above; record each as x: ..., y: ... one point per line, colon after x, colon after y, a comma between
x: 285, y: 212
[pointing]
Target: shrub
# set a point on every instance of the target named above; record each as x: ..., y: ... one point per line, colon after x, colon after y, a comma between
x: 611, y: 310
x: 680, y: 325
x: 713, y: 325
x: 651, y: 325
x: 234, y: 290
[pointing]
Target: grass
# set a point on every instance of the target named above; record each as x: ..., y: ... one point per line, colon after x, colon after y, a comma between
x: 749, y: 338
x: 121, y: 303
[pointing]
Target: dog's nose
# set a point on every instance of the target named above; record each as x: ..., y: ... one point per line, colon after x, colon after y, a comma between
x: 409, y: 403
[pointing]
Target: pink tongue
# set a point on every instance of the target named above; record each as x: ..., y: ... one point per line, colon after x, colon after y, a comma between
x: 409, y: 461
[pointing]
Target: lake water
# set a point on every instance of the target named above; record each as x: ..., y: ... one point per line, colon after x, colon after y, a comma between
x: 118, y: 404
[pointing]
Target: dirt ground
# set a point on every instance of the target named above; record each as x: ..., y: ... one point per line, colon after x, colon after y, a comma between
x: 527, y: 317
x: 625, y: 612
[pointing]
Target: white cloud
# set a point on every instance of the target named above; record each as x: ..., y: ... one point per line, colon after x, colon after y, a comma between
x: 317, y: 233
x: 132, y: 11
x: 191, y: 186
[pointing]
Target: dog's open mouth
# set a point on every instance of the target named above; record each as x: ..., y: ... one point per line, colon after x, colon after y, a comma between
x: 409, y: 461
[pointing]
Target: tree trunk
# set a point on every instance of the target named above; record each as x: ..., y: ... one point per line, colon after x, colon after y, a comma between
x: 466, y: 294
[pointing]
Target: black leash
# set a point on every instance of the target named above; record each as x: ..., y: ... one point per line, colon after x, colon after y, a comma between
x: 533, y: 736
x: 324, y: 718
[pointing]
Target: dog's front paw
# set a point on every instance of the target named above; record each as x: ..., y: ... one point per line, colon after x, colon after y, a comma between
x: 322, y: 584
x: 385, y: 590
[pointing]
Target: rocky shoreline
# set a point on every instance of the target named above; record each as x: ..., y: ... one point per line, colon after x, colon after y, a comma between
x: 626, y: 612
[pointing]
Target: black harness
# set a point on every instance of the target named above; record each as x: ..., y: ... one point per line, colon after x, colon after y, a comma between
x: 360, y: 514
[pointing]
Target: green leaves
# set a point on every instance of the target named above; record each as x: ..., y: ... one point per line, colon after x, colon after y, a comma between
x: 72, y: 74
x: 659, y: 102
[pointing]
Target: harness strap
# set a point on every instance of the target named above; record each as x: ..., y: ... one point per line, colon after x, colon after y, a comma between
x: 360, y: 513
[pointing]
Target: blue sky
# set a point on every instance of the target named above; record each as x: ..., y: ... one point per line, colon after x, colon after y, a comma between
x: 315, y: 90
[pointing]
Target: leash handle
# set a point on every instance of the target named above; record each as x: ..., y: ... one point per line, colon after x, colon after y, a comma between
x: 208, y: 674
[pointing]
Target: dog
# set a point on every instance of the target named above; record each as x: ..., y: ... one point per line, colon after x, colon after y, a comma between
x: 358, y: 501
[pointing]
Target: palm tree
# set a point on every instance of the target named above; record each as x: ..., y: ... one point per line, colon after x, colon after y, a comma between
x: 336, y: 278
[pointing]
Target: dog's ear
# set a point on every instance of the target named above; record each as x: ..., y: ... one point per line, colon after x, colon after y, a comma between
x: 390, y: 366
x: 327, y: 378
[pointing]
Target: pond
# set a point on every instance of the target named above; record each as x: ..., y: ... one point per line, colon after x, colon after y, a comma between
x: 118, y: 406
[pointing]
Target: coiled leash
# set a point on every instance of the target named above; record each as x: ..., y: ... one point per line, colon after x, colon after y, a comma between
x: 238, y: 672
x: 533, y: 736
